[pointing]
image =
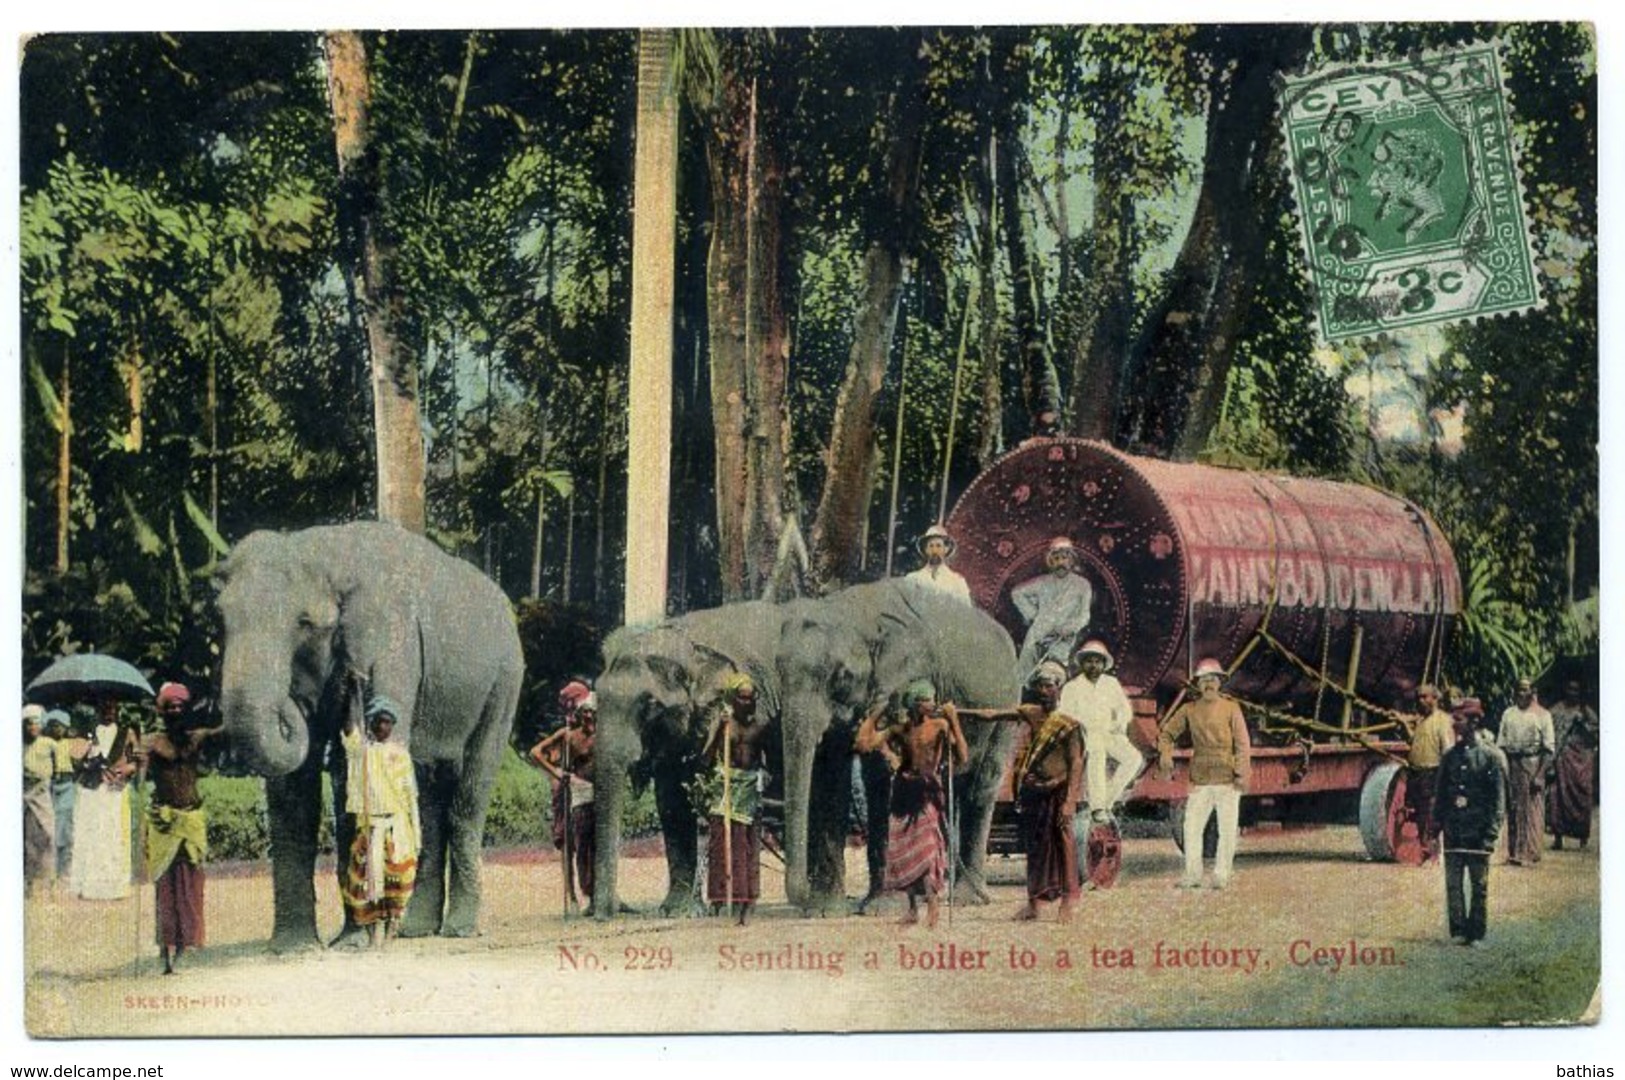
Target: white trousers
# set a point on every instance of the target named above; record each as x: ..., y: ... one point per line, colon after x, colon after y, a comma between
x: 1206, y: 800
x: 1101, y: 743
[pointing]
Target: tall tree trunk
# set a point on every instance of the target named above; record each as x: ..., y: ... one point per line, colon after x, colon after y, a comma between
x: 211, y: 412
x: 601, y: 504
x: 749, y: 329
x: 849, y: 481
x: 368, y: 245
x: 1184, y: 355
x: 1107, y: 311
x: 991, y: 443
x: 654, y: 241
x: 64, y: 461
x: 134, y: 384
x: 1040, y: 390
x: 570, y: 548
x: 536, y: 546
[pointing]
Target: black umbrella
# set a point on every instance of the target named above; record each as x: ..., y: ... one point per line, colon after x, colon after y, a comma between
x: 88, y: 677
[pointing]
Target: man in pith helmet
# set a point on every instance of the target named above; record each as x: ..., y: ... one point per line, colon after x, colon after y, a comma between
x: 1096, y: 700
x: 1221, y: 765
x: 936, y: 547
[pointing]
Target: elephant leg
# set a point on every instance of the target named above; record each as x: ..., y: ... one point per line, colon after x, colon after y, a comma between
x: 829, y: 818
x: 294, y: 804
x: 977, y: 788
x: 678, y: 825
x: 609, y: 801
x: 436, y: 786
x: 800, y: 764
x: 470, y: 800
x: 877, y: 793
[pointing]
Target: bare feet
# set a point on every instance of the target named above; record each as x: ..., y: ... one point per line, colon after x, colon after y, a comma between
x: 1065, y: 915
x: 933, y: 910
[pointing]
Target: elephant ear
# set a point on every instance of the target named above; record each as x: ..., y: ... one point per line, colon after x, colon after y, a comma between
x: 670, y: 674
x: 851, y: 669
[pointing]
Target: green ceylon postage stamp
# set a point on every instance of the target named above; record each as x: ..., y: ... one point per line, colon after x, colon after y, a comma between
x: 1408, y: 192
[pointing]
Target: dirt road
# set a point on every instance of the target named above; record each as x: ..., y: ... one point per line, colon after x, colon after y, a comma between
x: 1308, y: 934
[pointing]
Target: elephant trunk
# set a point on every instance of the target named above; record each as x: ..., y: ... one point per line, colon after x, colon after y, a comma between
x: 800, y: 749
x: 262, y: 722
x: 616, y: 748
x: 272, y: 736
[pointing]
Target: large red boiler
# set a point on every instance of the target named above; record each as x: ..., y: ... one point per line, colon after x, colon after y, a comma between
x: 1328, y: 602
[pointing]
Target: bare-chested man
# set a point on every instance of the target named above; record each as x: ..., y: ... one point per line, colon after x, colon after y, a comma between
x: 1049, y: 782
x: 567, y: 756
x: 736, y: 747
x: 917, y: 841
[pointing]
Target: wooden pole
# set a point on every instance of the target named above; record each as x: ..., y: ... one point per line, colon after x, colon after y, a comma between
x: 569, y: 867
x: 1353, y: 676
x: 897, y: 444
x: 727, y: 809
x: 953, y: 406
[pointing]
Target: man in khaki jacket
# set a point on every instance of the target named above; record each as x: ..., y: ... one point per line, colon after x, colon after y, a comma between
x: 1221, y: 764
x: 1431, y: 739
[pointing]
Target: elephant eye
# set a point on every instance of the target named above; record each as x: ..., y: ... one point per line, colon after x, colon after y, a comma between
x: 306, y: 622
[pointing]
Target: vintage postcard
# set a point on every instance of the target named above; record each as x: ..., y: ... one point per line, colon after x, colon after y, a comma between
x: 815, y: 529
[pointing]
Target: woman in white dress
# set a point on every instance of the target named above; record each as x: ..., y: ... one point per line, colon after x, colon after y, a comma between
x: 101, y: 823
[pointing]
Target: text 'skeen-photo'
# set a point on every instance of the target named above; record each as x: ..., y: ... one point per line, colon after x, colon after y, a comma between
x: 1056, y: 528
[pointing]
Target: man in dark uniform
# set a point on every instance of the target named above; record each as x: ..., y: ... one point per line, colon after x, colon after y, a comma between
x: 1469, y: 807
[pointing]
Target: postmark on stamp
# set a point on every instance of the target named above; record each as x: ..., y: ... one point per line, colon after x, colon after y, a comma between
x: 1408, y: 194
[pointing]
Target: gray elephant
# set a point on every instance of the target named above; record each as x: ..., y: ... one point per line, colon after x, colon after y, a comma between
x: 656, y: 686
x: 819, y: 666
x: 855, y: 650
x: 300, y: 610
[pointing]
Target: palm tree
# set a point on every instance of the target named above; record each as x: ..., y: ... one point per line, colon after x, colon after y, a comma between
x: 654, y: 240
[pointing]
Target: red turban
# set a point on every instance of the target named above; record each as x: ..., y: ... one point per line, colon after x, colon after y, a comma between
x: 173, y: 691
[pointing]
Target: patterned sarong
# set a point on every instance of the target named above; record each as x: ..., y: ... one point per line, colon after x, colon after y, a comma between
x: 916, y: 842
x: 378, y: 888
x: 1526, y: 810
x: 1052, y: 850
x: 1568, y: 803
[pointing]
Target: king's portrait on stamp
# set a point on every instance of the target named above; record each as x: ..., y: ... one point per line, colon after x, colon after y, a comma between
x: 809, y: 529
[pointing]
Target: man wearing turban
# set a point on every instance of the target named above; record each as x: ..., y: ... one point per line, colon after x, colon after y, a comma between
x: 736, y: 749
x: 568, y: 757
x: 917, y: 841
x: 381, y: 795
x: 177, y: 836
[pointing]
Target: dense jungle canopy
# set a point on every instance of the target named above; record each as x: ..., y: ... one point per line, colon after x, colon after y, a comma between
x: 271, y: 280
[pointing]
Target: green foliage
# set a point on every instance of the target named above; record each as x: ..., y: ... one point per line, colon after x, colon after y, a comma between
x: 520, y: 814
x: 520, y: 809
x: 238, y: 826
x: 560, y: 642
x: 178, y: 275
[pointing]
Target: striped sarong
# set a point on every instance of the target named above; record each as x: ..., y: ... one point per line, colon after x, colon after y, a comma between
x: 916, y: 841
x: 378, y: 888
